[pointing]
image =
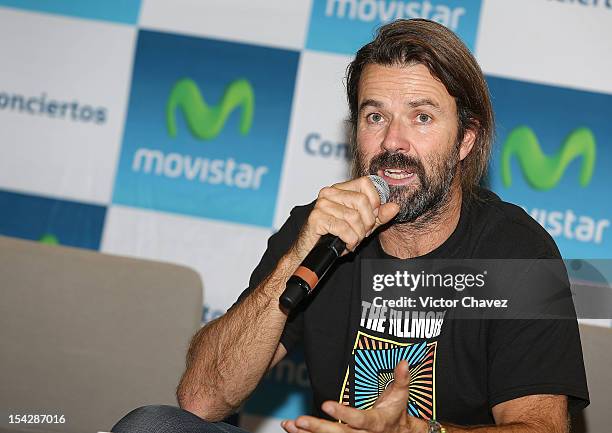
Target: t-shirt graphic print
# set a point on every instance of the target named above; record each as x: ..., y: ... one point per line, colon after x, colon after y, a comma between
x: 383, y: 340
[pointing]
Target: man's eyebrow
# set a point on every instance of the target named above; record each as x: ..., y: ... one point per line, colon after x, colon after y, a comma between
x: 412, y: 104
x: 370, y: 103
x: 424, y: 101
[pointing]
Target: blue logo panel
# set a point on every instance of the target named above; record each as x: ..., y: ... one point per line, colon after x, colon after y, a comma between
x: 120, y: 11
x: 51, y: 221
x: 284, y: 392
x: 343, y: 26
x: 206, y: 128
x: 552, y: 157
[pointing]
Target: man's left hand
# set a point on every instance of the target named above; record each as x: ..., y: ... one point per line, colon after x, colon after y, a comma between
x: 388, y: 415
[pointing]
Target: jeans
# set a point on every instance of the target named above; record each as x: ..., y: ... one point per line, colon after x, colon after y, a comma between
x: 169, y: 419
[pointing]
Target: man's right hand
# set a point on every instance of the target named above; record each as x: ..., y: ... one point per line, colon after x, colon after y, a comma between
x: 350, y: 210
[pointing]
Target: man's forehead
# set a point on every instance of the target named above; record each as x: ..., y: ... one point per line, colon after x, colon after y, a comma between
x: 413, y: 83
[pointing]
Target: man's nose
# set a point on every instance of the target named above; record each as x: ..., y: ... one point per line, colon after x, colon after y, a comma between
x: 396, y: 137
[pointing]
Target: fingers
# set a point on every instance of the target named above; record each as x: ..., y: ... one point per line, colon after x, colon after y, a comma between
x: 398, y: 391
x: 290, y: 427
x: 362, y: 185
x: 348, y: 210
x: 386, y: 213
x: 311, y: 424
x: 355, y: 418
x: 402, y: 375
x: 351, y: 199
x: 323, y: 221
x: 364, y: 188
x: 389, y: 409
x: 355, y: 218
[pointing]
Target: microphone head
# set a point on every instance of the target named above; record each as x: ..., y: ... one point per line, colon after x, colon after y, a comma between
x: 382, y: 187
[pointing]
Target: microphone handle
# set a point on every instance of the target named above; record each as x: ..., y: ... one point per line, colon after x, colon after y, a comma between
x: 313, y: 268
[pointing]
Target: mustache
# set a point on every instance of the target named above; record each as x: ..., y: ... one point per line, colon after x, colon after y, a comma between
x: 398, y: 161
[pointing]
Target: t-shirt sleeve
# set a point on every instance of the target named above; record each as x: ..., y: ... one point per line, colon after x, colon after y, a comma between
x: 278, y: 244
x: 536, y: 356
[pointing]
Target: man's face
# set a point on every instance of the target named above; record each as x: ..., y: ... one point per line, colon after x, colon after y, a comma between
x: 407, y: 134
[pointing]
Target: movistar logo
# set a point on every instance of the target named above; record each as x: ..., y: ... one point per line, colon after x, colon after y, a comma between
x: 207, y: 121
x: 543, y: 172
x: 49, y: 239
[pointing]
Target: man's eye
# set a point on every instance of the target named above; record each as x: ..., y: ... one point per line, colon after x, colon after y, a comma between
x: 375, y: 118
x: 423, y: 118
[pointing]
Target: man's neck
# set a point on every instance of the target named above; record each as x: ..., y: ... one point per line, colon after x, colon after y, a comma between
x: 427, y: 233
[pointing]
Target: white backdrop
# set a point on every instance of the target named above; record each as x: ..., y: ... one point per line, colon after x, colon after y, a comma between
x: 84, y: 86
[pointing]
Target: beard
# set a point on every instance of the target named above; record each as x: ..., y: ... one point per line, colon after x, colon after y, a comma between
x: 432, y: 191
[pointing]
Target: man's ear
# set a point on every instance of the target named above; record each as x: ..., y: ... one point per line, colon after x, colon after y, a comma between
x: 469, y: 138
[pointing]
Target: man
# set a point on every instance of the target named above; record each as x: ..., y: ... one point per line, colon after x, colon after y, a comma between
x: 422, y: 120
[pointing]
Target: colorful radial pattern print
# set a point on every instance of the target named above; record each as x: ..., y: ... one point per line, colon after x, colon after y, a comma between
x: 373, y: 362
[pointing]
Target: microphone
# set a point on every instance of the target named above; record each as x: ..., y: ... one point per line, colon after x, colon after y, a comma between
x: 320, y: 258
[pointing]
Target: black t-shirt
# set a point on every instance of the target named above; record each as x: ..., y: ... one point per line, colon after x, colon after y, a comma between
x: 471, y: 366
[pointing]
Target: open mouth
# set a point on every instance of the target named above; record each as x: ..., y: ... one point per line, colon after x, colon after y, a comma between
x: 395, y: 176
